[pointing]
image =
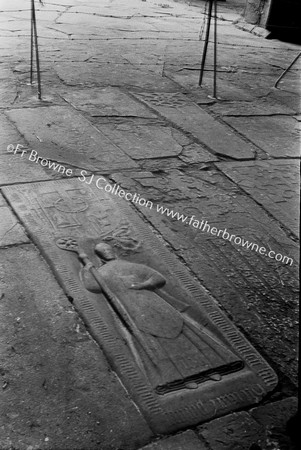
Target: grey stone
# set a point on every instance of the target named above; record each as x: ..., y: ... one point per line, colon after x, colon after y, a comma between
x: 94, y: 74
x: 226, y: 90
x: 194, y: 153
x: 193, y: 119
x: 277, y: 414
x: 8, y: 92
x: 273, y: 184
x: 63, y: 135
x: 27, y: 94
x: 59, y: 384
x: 149, y: 142
x: 11, y: 232
x: 289, y: 99
x: 182, y: 441
x: 155, y: 165
x: 9, y: 135
x: 248, y: 282
x: 17, y: 169
x: 236, y: 431
x: 95, y: 222
x: 255, y: 108
x: 277, y: 136
x: 106, y: 102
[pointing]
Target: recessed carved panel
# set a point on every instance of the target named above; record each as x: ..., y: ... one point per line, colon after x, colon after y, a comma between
x: 180, y: 358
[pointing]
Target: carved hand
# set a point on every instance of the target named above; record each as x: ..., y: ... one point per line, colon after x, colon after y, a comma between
x: 154, y: 282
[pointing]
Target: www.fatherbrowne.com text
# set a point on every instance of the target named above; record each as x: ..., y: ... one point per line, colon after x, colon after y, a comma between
x: 102, y: 184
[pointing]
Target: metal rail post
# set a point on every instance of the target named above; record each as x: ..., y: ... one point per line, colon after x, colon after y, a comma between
x: 34, y: 43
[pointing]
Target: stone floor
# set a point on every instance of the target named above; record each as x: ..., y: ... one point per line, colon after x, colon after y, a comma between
x: 120, y: 98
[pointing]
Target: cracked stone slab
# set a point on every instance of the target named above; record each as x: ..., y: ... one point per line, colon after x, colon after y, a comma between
x: 188, y: 78
x: 113, y: 75
x: 105, y: 23
x: 149, y: 142
x: 14, y: 25
x: 286, y: 98
x: 273, y: 184
x: 187, y: 440
x: 8, y: 93
x: 248, y: 282
x: 11, y: 232
x: 8, y: 88
x: 134, y: 8
x: 136, y: 52
x: 231, y: 58
x: 16, y: 169
x: 9, y: 135
x: 276, y: 415
x: 193, y: 119
x: 61, y: 134
x: 57, y: 382
x: 107, y: 101
x: 238, y: 430
x: 258, y: 107
x: 155, y: 165
x: 43, y: 14
x: 53, y: 210
x: 277, y: 136
x: 27, y: 95
x: 45, y: 33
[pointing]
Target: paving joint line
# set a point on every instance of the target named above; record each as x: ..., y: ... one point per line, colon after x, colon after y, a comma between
x: 290, y: 234
x: 172, y: 124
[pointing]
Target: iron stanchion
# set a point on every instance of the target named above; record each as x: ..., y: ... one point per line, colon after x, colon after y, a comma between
x: 287, y: 69
x: 215, y: 48
x: 34, y: 44
x: 206, y: 42
x: 212, y: 7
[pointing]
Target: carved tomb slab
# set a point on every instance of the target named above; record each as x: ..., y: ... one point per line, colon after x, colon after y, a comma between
x: 180, y: 358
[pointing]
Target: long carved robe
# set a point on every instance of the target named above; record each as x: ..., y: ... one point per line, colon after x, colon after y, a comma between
x: 184, y: 351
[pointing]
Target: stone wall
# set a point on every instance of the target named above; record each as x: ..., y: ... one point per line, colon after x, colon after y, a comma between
x: 275, y: 15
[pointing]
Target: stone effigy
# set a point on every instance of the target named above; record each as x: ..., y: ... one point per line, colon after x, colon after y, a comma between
x: 171, y: 348
x: 180, y: 358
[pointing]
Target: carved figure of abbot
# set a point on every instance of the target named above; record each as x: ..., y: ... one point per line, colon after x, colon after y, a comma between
x: 172, y: 350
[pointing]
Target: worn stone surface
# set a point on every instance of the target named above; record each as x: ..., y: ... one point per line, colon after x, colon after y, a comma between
x: 260, y: 107
x: 15, y: 169
x: 273, y: 184
x: 8, y: 91
x: 277, y: 136
x: 106, y: 102
x: 57, y: 388
x: 106, y: 49
x: 277, y: 414
x: 187, y: 344
x: 11, y: 232
x: 134, y: 76
x: 150, y: 142
x: 182, y: 441
x: 192, y: 118
x: 239, y: 60
x: 248, y: 282
x: 63, y: 135
x: 236, y: 431
x: 280, y: 423
x: 143, y: 142
x: 9, y: 135
x: 188, y: 78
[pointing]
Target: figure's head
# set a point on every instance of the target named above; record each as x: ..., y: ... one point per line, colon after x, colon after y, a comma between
x: 105, y: 251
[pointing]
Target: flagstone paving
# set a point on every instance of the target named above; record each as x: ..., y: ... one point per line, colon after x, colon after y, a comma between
x: 120, y: 98
x: 273, y: 184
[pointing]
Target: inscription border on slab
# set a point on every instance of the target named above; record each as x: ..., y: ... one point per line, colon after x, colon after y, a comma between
x: 164, y: 413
